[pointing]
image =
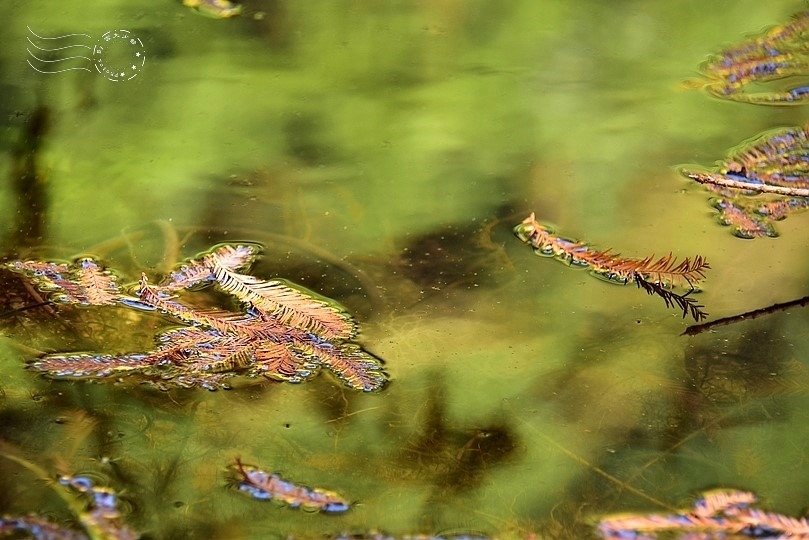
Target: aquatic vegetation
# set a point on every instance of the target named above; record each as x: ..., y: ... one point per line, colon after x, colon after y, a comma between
x: 82, y: 283
x: 774, y: 167
x: 283, y: 333
x: 656, y: 277
x: 101, y: 518
x: 218, y: 9
x: 716, y: 513
x: 267, y: 486
x: 778, y: 53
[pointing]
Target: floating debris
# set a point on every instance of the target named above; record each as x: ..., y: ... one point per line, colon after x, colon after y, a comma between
x: 101, y: 517
x: 266, y: 486
x: 778, y: 53
x: 714, y: 515
x: 217, y: 9
x: 284, y: 332
x: 656, y: 277
x: 82, y: 282
x: 760, y: 182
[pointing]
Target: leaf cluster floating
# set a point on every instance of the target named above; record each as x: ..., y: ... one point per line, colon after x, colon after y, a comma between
x: 262, y: 485
x: 101, y: 518
x: 760, y: 182
x: 778, y: 53
x: 215, y: 9
x: 83, y: 282
x: 655, y: 276
x: 283, y: 332
x: 715, y: 515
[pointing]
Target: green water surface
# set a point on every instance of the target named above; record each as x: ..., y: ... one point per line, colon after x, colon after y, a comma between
x: 382, y: 152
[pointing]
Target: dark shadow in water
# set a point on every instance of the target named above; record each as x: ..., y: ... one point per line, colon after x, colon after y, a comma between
x: 275, y: 25
x: 454, y: 459
x: 28, y: 181
x: 719, y: 386
x: 458, y: 255
x: 305, y: 141
x: 485, y: 448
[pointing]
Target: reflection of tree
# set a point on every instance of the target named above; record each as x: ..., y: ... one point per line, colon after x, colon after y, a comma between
x: 454, y: 459
x: 29, y: 182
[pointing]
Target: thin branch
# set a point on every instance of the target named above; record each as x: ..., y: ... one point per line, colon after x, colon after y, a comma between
x: 700, y: 328
x: 734, y: 182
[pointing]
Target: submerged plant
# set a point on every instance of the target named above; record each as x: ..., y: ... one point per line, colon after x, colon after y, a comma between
x: 715, y: 515
x: 780, y: 52
x: 282, y: 333
x: 760, y: 182
x: 656, y: 277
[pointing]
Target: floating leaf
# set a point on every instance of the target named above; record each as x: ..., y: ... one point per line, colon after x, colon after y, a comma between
x: 201, y: 269
x: 221, y: 320
x: 80, y: 366
x: 289, y: 305
x: 290, y: 341
x: 778, y: 53
x: 38, y: 528
x: 266, y: 486
x: 654, y: 276
x: 775, y: 165
x: 83, y: 282
x: 217, y: 9
x: 357, y: 368
x: 101, y: 518
x: 745, y: 222
x: 716, y: 514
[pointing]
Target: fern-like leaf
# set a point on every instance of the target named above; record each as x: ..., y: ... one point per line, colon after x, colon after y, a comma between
x: 652, y: 275
x: 774, y: 54
x: 613, y: 266
x: 720, y: 514
x: 83, y: 282
x: 99, y: 286
x: 745, y: 222
x: 684, y: 302
x: 200, y: 270
x: 82, y: 366
x: 277, y: 361
x: 289, y: 305
x: 38, y: 528
x: 355, y: 367
x: 775, y: 165
x: 220, y: 320
x: 284, y: 334
x: 266, y: 486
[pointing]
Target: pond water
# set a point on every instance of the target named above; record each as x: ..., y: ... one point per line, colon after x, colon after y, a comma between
x: 381, y: 153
